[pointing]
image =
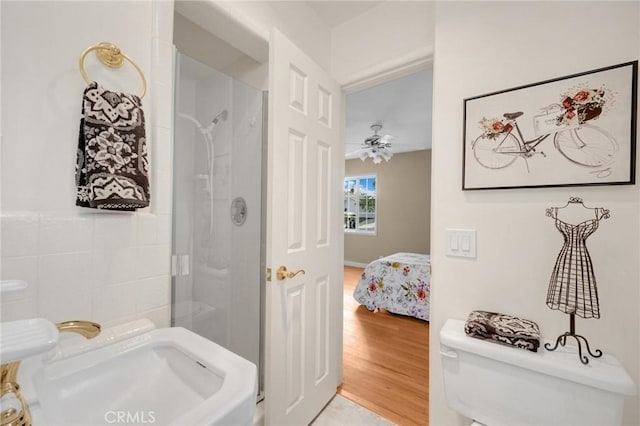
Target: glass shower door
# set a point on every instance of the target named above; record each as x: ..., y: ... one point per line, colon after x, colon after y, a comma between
x: 217, y: 217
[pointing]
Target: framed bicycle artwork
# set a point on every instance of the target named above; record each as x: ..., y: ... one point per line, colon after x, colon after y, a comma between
x: 569, y: 131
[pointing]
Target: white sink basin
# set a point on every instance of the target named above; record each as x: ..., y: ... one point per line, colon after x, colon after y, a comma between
x: 162, y: 377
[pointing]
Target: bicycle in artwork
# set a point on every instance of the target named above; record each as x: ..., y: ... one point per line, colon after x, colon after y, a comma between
x: 574, y: 130
x: 502, y: 142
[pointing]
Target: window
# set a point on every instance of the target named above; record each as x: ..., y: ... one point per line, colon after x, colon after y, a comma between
x: 360, y: 204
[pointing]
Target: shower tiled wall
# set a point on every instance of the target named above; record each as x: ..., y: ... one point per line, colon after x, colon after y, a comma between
x: 79, y: 263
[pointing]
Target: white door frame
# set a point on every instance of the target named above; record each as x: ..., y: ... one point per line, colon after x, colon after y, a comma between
x: 389, y: 70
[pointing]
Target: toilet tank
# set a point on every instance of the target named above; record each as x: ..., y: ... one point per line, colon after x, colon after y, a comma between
x: 499, y: 385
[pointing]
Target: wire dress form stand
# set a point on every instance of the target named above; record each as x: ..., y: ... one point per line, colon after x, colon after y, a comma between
x: 572, y: 287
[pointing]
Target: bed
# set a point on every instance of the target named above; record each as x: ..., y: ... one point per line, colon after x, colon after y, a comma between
x: 399, y: 283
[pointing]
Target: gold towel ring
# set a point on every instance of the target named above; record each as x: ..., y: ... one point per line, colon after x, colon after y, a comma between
x: 111, y: 56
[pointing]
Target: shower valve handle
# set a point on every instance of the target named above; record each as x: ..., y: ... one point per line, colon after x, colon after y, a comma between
x: 282, y: 273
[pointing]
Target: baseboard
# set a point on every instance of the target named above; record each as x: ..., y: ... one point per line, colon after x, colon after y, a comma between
x: 356, y: 264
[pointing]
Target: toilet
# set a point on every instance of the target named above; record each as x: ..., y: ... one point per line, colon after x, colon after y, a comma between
x: 497, y: 385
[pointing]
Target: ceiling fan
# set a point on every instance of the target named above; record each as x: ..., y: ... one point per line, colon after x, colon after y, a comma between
x: 376, y: 146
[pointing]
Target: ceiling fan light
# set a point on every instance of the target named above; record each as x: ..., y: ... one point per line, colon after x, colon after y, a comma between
x: 376, y: 146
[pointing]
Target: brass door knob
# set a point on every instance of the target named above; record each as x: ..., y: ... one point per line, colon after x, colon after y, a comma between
x: 282, y: 273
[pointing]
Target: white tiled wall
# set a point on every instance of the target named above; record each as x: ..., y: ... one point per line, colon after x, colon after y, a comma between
x: 79, y: 263
x: 104, y: 267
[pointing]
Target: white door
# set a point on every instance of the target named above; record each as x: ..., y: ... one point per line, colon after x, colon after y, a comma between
x: 303, y: 333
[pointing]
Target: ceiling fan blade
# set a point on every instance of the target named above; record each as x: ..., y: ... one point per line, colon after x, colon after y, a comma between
x: 386, y: 138
x: 372, y: 140
x: 358, y: 151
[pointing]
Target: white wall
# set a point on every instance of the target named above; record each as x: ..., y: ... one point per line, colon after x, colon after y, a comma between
x: 403, y: 211
x: 202, y: 45
x: 106, y: 267
x: 389, y: 35
x: 393, y: 34
x: 481, y: 47
x: 247, y: 25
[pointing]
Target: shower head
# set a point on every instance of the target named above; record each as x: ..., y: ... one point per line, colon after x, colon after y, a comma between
x: 222, y: 116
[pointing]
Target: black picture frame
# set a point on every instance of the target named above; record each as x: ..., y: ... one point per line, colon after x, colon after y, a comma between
x: 576, y: 130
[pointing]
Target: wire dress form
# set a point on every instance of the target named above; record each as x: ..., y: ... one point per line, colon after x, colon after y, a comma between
x: 572, y: 287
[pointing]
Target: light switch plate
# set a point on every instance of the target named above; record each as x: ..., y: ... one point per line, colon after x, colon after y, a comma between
x: 461, y: 243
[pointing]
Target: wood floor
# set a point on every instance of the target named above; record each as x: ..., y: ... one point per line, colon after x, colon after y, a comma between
x: 386, y: 360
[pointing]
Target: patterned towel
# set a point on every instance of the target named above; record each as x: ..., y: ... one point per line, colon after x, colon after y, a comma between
x: 112, y: 172
x: 504, y: 329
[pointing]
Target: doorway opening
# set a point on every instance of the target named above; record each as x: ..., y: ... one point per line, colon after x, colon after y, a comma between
x: 386, y: 354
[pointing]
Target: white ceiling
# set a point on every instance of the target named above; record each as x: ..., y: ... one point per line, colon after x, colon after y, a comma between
x: 402, y: 106
x: 334, y: 13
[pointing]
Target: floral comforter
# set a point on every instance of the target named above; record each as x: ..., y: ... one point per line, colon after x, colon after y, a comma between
x: 399, y: 283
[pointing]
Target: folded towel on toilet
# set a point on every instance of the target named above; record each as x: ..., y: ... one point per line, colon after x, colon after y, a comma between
x: 504, y: 329
x: 112, y: 171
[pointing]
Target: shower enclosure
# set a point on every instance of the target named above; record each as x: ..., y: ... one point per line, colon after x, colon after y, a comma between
x: 218, y: 229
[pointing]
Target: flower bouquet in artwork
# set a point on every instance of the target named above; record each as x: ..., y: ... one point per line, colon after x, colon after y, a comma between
x: 582, y: 105
x: 492, y: 128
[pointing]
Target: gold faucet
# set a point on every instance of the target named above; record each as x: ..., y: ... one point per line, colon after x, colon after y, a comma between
x: 87, y: 329
x: 17, y: 412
